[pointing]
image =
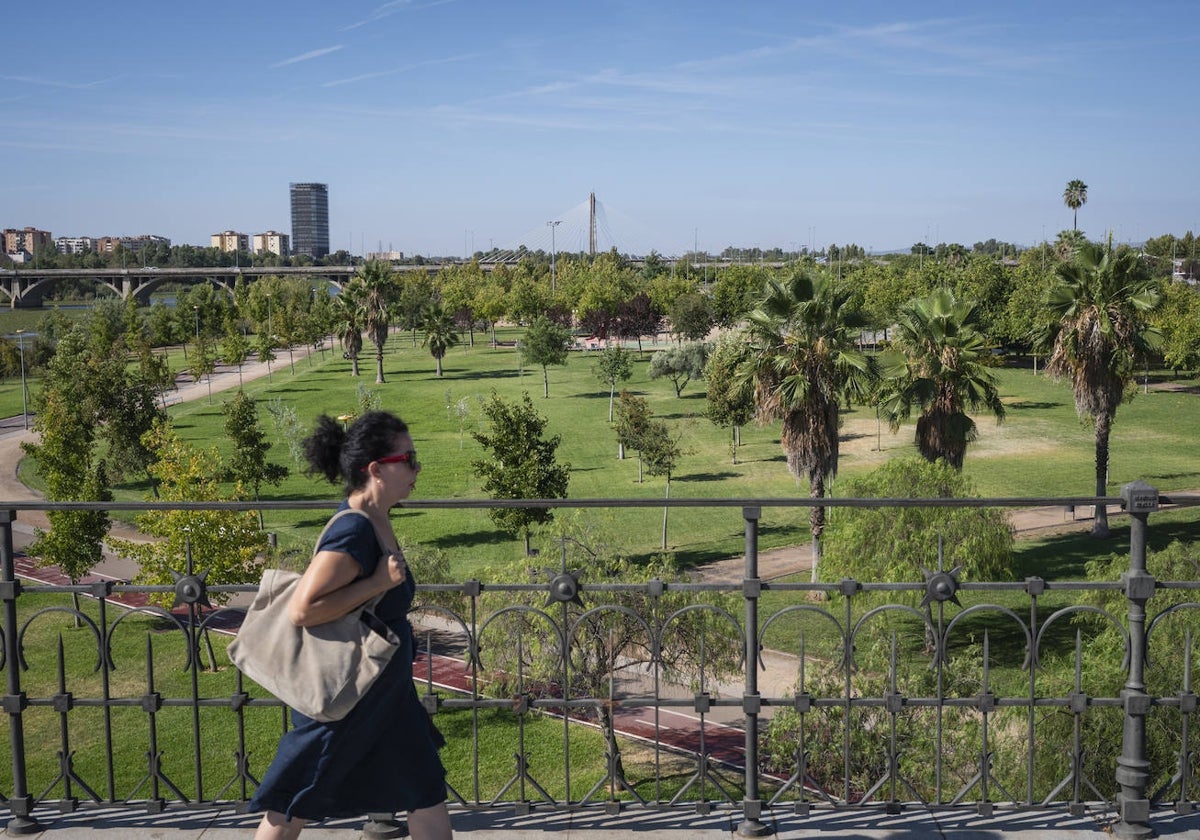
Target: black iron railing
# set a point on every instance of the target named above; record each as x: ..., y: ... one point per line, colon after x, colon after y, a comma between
x: 879, y: 694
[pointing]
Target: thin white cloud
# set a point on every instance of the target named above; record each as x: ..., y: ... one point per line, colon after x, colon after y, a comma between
x: 396, y: 70
x: 34, y: 80
x: 391, y: 8
x: 311, y: 54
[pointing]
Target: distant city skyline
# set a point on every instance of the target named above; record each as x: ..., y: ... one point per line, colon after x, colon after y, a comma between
x: 443, y: 127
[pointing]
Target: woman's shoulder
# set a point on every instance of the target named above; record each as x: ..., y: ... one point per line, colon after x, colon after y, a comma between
x: 346, y: 527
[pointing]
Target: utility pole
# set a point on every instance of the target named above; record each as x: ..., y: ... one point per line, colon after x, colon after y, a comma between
x: 554, y: 249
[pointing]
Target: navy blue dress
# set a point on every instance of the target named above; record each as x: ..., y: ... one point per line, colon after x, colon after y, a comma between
x: 383, y: 756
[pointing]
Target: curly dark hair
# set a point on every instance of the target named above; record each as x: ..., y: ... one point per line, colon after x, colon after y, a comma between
x: 336, y: 452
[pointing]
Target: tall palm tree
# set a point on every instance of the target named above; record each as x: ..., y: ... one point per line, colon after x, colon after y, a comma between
x: 1099, y: 306
x: 1075, y: 196
x: 348, y: 323
x: 379, y: 290
x: 441, y: 333
x: 805, y: 361
x: 939, y: 365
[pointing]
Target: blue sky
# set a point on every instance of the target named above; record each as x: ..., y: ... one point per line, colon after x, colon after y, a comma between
x: 444, y: 126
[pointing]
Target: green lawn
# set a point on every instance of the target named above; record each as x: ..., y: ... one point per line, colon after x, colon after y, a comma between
x: 1041, y: 450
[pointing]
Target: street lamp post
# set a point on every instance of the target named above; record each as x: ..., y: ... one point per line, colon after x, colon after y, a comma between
x: 24, y: 400
x: 553, y: 250
x: 270, y: 329
x: 196, y: 312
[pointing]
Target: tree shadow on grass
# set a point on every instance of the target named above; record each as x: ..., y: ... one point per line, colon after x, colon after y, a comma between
x: 468, y: 539
x: 467, y: 375
x: 1031, y: 405
x: 1065, y: 557
x: 1190, y: 476
x: 707, y: 476
x: 292, y: 389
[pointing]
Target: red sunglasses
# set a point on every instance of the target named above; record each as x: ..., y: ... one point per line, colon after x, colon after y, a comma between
x: 409, y: 457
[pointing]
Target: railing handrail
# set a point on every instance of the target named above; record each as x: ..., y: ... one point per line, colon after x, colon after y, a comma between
x: 1173, y: 499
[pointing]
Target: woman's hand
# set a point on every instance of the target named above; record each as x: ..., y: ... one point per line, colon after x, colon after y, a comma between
x: 391, y: 570
x: 330, y: 586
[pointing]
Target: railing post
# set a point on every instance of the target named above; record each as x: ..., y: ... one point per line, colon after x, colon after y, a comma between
x: 20, y: 803
x: 1133, y: 768
x: 751, y: 825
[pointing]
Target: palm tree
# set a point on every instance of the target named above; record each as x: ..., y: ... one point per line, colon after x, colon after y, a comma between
x: 939, y: 365
x: 1075, y: 196
x: 348, y: 314
x: 1099, y: 306
x: 804, y: 361
x: 1067, y: 243
x: 378, y: 285
x: 441, y: 333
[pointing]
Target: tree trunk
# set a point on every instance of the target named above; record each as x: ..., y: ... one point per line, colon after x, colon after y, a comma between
x: 545, y: 383
x: 1103, y: 428
x: 439, y: 365
x: 816, y: 520
x: 666, y: 510
x: 612, y: 390
x: 379, y: 367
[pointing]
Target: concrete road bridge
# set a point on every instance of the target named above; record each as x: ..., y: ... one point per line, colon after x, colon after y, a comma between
x: 27, y: 287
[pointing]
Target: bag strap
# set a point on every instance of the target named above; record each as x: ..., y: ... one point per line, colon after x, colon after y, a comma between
x: 339, y: 515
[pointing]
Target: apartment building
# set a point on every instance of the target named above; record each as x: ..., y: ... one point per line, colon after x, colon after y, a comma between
x: 271, y: 242
x: 28, y: 240
x: 231, y: 241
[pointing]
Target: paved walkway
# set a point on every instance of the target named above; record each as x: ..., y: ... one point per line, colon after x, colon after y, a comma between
x: 865, y: 824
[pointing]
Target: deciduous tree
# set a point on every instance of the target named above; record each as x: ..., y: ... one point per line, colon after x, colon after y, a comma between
x: 680, y: 364
x: 730, y: 397
x: 545, y: 343
x: 520, y: 464
x: 249, y: 464
x: 224, y: 545
x: 613, y: 365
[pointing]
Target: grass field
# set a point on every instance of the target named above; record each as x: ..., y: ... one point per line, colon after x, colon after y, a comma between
x: 1041, y: 450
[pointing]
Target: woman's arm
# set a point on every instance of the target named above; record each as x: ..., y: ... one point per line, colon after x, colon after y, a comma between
x: 331, y: 587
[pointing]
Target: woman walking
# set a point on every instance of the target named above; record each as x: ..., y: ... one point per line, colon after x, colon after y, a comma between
x: 383, y: 756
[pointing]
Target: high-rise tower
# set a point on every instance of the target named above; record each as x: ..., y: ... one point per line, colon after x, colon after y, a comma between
x: 310, y: 219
